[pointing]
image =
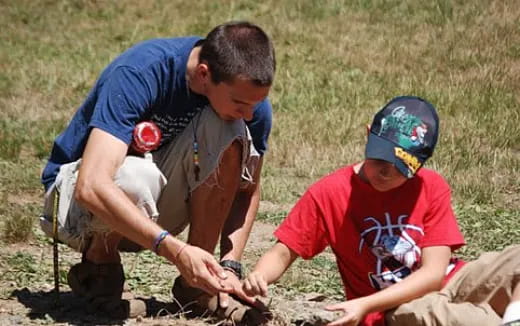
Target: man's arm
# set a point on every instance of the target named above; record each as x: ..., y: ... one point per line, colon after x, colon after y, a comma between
x: 426, y: 279
x: 96, y: 190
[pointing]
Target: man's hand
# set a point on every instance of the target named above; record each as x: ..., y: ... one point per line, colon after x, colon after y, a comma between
x: 354, y: 311
x: 201, y: 270
x: 235, y: 285
x: 255, y: 284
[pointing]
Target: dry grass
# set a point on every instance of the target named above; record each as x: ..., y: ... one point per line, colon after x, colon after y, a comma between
x: 338, y: 60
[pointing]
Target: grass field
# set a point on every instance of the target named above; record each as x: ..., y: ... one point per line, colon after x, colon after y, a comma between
x: 338, y: 62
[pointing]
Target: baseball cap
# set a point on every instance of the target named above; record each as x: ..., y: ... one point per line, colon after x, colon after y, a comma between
x: 404, y: 132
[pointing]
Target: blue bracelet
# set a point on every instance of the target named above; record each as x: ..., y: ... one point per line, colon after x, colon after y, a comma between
x: 158, y: 240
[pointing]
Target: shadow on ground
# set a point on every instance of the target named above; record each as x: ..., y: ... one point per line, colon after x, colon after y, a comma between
x: 73, y: 310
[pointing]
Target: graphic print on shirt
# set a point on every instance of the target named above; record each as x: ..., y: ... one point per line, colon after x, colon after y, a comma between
x: 172, y: 126
x: 394, y: 247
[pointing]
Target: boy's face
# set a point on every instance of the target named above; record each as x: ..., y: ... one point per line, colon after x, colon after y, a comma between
x: 235, y: 100
x: 382, y: 175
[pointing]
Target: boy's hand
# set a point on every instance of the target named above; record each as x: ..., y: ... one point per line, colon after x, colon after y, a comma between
x: 354, y: 311
x: 255, y: 284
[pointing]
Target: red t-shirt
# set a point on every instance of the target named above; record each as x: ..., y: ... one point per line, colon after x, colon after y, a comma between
x: 376, y: 236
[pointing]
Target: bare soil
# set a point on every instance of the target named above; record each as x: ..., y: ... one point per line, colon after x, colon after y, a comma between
x: 36, y: 304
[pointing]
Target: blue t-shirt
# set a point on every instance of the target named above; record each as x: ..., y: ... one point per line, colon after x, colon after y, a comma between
x: 146, y: 82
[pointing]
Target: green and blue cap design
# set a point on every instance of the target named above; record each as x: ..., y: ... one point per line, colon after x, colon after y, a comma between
x: 404, y: 132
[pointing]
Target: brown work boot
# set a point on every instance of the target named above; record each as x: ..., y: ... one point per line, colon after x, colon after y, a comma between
x: 197, y: 303
x: 91, y: 280
x: 103, y: 285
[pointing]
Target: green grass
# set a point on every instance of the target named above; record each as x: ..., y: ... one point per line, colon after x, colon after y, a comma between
x: 319, y: 275
x: 338, y: 62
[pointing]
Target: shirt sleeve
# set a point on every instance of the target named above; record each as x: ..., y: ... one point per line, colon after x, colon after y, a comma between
x: 122, y: 100
x: 303, y: 230
x: 260, y: 125
x: 440, y: 225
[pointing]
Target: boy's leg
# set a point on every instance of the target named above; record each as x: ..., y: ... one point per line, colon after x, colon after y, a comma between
x: 436, y: 309
x: 512, y: 313
x: 477, y: 295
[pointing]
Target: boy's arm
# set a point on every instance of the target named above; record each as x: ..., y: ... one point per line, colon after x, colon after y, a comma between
x: 269, y: 269
x: 426, y: 279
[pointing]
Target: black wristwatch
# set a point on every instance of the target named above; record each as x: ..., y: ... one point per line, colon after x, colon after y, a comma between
x: 232, y: 266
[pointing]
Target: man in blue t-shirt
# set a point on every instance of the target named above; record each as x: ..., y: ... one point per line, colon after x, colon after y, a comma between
x: 209, y: 99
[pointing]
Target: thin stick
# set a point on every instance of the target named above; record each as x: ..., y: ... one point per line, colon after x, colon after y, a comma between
x: 55, y: 249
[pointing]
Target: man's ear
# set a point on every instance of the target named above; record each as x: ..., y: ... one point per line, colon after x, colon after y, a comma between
x: 203, y: 72
x: 368, y: 130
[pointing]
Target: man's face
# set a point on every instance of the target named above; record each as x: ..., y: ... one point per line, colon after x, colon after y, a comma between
x: 235, y: 100
x: 382, y: 175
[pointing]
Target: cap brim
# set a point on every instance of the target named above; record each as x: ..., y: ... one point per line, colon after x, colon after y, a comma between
x: 379, y: 148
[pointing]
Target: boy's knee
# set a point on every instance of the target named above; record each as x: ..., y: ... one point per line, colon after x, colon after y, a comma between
x: 416, y: 312
x: 405, y: 314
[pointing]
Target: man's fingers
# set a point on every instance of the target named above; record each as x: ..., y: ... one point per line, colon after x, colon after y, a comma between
x: 215, y: 268
x: 244, y: 296
x: 204, y: 284
x: 206, y: 281
x: 214, y: 283
x: 223, y: 299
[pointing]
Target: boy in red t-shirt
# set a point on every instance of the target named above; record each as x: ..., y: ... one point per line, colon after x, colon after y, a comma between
x: 392, y: 229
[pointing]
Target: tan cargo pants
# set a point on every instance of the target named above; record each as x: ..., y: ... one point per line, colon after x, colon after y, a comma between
x: 159, y: 184
x: 477, y: 295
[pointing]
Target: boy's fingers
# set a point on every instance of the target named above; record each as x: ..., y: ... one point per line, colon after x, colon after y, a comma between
x: 246, y: 285
x: 332, y: 307
x: 248, y: 288
x: 341, y: 321
x: 256, y: 287
x: 263, y: 287
x: 253, y: 287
